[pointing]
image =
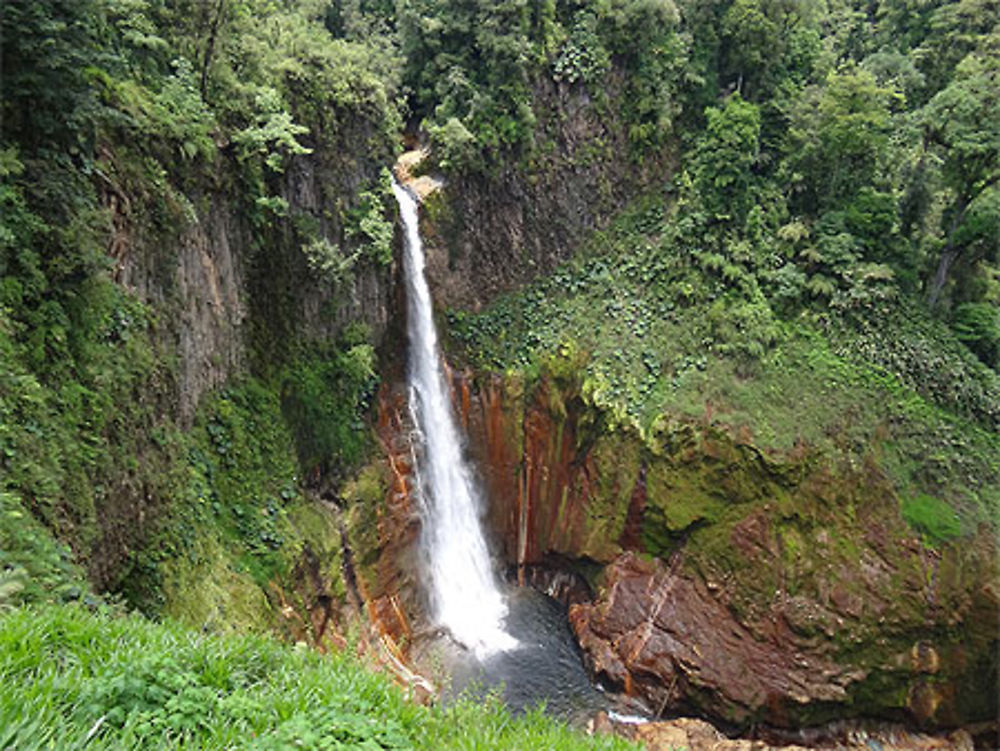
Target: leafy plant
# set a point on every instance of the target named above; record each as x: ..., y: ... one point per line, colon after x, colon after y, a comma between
x: 978, y: 326
x: 328, y: 262
x: 582, y: 57
x: 34, y: 567
x: 367, y: 223
x: 273, y: 135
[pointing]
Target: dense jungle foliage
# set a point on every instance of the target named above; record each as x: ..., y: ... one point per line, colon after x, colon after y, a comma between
x: 832, y: 228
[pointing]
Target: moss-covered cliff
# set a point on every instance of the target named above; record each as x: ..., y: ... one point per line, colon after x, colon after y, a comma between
x: 733, y: 578
x: 196, y: 273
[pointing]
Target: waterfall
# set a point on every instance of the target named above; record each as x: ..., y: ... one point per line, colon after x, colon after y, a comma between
x: 464, y: 594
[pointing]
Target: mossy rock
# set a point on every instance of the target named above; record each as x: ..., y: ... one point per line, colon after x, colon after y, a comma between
x: 364, y: 498
x: 935, y: 520
x: 212, y: 594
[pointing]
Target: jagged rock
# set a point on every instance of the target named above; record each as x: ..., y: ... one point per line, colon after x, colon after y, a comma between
x: 669, y: 637
x: 660, y: 633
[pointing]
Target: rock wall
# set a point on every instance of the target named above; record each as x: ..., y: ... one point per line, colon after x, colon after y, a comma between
x: 488, y: 233
x: 230, y: 290
x: 751, y: 585
x: 230, y: 293
x: 199, y: 282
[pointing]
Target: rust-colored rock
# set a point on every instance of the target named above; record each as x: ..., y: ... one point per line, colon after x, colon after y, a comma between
x: 548, y: 496
x: 692, y: 734
x: 674, y: 639
x: 796, y: 592
x: 385, y: 531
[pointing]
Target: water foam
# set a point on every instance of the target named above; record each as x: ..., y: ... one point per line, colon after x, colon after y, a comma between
x: 465, y: 596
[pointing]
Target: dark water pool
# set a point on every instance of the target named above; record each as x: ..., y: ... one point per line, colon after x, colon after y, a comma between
x: 545, y: 668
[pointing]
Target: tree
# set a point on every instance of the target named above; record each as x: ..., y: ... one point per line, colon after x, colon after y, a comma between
x: 725, y: 156
x: 49, y: 55
x: 838, y: 139
x: 753, y: 44
x: 962, y: 130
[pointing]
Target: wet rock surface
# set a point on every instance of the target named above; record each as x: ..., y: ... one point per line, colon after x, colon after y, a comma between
x: 693, y: 734
x: 660, y: 634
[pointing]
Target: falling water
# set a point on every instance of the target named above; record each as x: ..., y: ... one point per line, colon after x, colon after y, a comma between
x: 464, y: 594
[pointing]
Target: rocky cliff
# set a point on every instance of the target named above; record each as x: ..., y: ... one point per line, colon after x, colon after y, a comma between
x: 233, y: 283
x: 234, y: 298
x: 753, y: 585
x: 488, y: 232
x: 706, y: 570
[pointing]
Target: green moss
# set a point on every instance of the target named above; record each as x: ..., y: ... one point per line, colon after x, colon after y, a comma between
x: 364, y: 497
x: 616, y: 461
x: 682, y: 495
x: 238, y: 529
x: 319, y: 531
x: 207, y: 590
x: 326, y: 394
x: 245, y: 456
x: 935, y: 520
x: 437, y: 212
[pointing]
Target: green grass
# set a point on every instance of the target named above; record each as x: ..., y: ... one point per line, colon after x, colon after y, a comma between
x: 71, y: 678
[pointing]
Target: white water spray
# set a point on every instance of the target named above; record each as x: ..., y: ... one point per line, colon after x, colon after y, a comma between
x: 464, y: 593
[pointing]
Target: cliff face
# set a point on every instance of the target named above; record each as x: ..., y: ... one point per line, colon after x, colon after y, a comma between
x: 235, y: 292
x: 233, y: 298
x: 485, y: 234
x: 488, y: 233
x: 217, y: 254
x: 753, y: 585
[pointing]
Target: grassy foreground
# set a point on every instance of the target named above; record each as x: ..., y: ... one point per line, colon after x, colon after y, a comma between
x: 73, y: 678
